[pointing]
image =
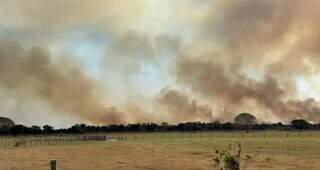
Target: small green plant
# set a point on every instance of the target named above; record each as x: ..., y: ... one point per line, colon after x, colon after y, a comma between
x: 227, y: 159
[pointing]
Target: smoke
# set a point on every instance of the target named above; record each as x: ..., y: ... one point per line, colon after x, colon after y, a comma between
x: 279, y: 36
x: 133, y: 49
x: 242, y: 56
x: 42, y: 17
x: 62, y: 83
x: 211, y: 81
x: 181, y: 108
x: 253, y: 51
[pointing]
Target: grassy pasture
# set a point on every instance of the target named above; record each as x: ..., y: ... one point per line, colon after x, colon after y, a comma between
x: 276, y: 150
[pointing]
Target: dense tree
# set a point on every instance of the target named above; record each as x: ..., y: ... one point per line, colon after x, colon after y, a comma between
x: 4, y: 130
x: 164, y: 126
x: 18, y: 129
x: 300, y: 124
x: 35, y: 130
x: 47, y: 129
x: 245, y: 119
x: 153, y: 127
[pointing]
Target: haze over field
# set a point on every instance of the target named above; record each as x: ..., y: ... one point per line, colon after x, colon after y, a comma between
x: 106, y: 61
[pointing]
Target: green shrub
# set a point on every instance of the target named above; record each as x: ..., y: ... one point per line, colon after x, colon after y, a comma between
x: 226, y: 159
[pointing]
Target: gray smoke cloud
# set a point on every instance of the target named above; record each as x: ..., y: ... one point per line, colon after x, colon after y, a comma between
x: 133, y: 49
x: 211, y: 81
x: 242, y: 56
x: 273, y: 38
x: 62, y: 83
x: 181, y: 108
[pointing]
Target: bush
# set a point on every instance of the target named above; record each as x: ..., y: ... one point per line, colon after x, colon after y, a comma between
x: 228, y: 160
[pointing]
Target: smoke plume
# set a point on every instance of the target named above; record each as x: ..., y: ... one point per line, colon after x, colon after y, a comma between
x: 272, y: 38
x: 222, y: 57
x: 211, y: 81
x: 181, y: 108
x: 132, y: 50
x: 62, y: 83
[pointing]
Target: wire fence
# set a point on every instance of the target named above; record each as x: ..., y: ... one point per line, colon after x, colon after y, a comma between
x: 10, y: 142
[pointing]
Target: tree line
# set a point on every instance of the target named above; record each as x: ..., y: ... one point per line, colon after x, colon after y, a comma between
x: 298, y: 124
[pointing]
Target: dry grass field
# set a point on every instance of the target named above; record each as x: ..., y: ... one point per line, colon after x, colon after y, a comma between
x: 170, y: 151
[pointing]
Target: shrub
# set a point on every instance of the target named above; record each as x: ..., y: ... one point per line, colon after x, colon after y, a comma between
x: 226, y: 159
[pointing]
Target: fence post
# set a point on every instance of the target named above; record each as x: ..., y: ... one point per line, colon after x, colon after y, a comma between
x: 53, y: 164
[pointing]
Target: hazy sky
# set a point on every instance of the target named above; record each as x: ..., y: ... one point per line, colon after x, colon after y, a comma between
x: 105, y: 61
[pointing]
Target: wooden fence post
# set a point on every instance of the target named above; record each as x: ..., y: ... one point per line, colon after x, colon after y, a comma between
x: 53, y: 164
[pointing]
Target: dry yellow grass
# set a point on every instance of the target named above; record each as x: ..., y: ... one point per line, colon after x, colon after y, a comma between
x: 117, y: 155
x: 168, y: 153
